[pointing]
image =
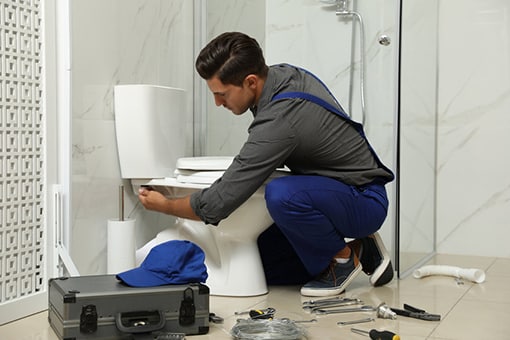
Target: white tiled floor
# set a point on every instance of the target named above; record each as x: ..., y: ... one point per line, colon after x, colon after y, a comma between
x: 468, y: 310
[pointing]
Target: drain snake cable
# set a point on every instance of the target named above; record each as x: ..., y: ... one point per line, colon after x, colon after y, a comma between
x: 250, y: 329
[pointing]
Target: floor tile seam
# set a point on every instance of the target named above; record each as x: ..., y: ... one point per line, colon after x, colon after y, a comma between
x: 494, y: 260
x: 437, y: 324
x: 452, y: 307
x: 498, y: 274
x: 464, y: 297
x: 469, y: 299
x: 443, y: 321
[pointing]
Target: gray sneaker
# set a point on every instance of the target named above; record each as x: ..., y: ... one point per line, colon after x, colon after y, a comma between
x: 334, y: 279
x: 374, y: 258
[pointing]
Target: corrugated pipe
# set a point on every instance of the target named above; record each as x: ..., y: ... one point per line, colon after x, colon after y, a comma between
x: 471, y: 274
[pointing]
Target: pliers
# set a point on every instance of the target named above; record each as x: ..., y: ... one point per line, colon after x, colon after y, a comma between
x: 413, y: 312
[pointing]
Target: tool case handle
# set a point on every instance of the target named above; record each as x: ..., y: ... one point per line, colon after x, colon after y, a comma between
x: 140, y: 321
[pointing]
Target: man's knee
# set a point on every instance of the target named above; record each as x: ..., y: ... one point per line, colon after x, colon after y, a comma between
x: 275, y: 194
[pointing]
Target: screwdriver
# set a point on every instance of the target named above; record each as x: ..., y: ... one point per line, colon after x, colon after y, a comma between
x: 377, y: 335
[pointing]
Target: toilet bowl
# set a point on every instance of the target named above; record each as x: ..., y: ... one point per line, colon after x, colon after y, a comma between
x: 232, y: 257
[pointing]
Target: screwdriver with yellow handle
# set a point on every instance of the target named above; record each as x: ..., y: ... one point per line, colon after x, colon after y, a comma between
x: 377, y: 335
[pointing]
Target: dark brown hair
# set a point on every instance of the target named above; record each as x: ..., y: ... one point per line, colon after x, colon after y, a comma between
x: 231, y: 56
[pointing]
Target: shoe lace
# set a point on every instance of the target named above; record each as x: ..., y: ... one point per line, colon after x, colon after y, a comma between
x: 329, y: 272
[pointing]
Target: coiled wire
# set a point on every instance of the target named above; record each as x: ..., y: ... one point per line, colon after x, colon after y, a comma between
x: 283, y: 329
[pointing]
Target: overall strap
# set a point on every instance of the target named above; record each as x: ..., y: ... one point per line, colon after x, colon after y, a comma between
x: 331, y: 108
x: 322, y: 103
x: 314, y: 99
x: 319, y: 81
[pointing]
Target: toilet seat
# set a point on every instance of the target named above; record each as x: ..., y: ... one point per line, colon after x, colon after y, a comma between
x: 200, y: 172
x: 206, y: 170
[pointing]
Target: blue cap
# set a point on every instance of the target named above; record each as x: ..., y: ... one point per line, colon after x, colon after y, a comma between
x: 172, y: 262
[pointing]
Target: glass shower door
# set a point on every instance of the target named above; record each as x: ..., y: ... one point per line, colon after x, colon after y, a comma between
x: 417, y: 133
x: 353, y: 46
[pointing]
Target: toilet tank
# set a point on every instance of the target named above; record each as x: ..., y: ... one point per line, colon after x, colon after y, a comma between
x: 150, y: 127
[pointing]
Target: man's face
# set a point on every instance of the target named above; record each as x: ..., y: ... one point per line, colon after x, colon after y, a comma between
x: 237, y: 99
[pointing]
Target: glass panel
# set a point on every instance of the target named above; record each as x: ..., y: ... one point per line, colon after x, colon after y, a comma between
x: 353, y: 50
x: 418, y: 97
x: 225, y: 133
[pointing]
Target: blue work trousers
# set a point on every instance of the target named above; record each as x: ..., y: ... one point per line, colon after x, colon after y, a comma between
x: 313, y: 215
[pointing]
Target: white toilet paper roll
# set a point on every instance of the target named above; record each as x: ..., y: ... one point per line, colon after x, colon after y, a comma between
x: 121, y: 245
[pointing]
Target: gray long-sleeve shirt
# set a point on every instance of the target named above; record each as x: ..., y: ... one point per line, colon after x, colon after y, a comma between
x: 300, y: 134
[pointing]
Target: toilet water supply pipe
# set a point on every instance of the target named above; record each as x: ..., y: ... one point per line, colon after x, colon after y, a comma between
x: 471, y: 274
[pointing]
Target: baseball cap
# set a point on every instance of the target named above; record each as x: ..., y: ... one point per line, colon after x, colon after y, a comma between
x: 171, y: 262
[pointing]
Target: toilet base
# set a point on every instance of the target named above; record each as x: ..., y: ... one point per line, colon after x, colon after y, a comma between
x: 243, y: 275
x: 234, y: 267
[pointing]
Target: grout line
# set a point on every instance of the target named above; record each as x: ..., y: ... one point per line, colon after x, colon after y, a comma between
x: 472, y: 284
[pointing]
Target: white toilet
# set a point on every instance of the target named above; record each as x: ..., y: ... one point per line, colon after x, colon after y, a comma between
x: 155, y: 158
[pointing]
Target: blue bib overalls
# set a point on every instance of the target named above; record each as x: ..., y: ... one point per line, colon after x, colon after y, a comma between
x: 314, y: 214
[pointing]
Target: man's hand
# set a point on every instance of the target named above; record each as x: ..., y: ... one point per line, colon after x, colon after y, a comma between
x: 153, y: 200
x: 156, y: 201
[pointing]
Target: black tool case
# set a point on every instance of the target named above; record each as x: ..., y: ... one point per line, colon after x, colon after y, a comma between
x: 101, y: 307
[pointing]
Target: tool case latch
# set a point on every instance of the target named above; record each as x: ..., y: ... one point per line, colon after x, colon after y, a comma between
x: 88, y: 319
x: 187, y: 309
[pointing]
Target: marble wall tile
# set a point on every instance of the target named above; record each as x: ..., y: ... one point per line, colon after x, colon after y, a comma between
x: 474, y: 101
x: 147, y: 41
x: 118, y: 42
x: 226, y: 133
x: 309, y: 34
x: 418, y: 98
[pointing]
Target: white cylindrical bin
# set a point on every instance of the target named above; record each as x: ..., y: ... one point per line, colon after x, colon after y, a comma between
x: 121, y: 245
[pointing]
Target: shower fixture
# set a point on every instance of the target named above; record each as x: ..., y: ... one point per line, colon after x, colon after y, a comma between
x: 341, y: 5
x: 342, y: 10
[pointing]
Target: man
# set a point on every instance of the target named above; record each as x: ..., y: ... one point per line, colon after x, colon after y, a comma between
x: 336, y: 190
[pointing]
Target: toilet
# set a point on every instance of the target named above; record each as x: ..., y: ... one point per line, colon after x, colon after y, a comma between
x: 157, y: 158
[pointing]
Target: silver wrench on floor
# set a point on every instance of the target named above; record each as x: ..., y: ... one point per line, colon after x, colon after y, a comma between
x: 329, y: 301
x: 300, y: 321
x: 352, y: 322
x: 344, y: 310
x: 312, y: 309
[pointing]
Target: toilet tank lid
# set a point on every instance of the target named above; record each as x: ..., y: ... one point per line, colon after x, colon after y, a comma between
x: 204, y: 163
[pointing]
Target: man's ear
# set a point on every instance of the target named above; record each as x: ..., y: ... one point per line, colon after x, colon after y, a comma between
x: 251, y: 81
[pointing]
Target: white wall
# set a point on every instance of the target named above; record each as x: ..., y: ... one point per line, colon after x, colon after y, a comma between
x: 473, y: 203
x: 417, y: 131
x: 118, y: 42
x: 309, y: 34
x: 147, y: 41
x: 226, y: 132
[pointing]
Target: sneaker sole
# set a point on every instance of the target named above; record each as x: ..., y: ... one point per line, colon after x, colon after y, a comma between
x: 317, y: 292
x: 383, y: 274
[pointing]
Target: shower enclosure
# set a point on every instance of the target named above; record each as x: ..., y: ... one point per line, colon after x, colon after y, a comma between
x: 366, y: 54
x: 155, y: 42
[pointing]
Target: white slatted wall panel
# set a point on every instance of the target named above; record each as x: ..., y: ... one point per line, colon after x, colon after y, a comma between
x: 21, y: 151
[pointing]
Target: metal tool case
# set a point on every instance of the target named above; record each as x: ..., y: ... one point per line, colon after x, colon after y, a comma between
x: 101, y: 307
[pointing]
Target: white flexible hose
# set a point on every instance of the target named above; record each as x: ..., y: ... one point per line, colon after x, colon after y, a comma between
x: 471, y: 274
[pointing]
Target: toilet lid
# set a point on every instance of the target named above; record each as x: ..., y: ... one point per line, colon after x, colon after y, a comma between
x: 198, y: 177
x: 218, y: 163
x: 201, y: 170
